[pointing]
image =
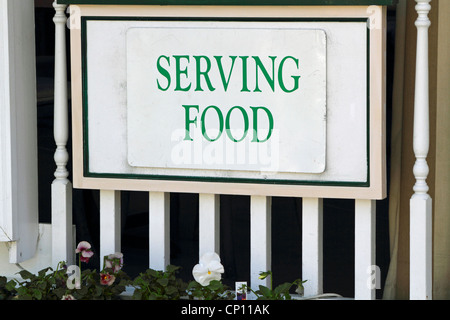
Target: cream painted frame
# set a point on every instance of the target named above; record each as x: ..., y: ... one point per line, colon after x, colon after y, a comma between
x: 376, y: 16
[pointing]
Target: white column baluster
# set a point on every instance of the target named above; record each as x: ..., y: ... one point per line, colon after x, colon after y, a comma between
x: 312, y: 245
x: 62, y: 237
x: 110, y: 223
x: 365, y: 268
x: 260, y: 239
x: 421, y: 202
x: 159, y: 230
x: 209, y: 223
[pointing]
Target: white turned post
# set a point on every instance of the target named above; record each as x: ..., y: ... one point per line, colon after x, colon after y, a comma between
x: 421, y: 202
x: 209, y: 223
x: 110, y: 223
x: 312, y: 245
x: 62, y: 238
x: 159, y: 230
x: 366, y: 272
x: 260, y: 239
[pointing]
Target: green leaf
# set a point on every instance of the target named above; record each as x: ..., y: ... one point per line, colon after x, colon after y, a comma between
x: 192, y: 285
x: 266, y: 292
x: 42, y: 273
x: 44, y: 285
x: 25, y: 297
x: 152, y: 273
x: 10, y: 285
x: 83, y: 290
x: 98, y: 290
x: 215, y: 285
x: 172, y: 268
x: 37, y: 294
x: 163, y: 281
x: 26, y: 274
x: 59, y: 292
x: 263, y: 275
x: 152, y: 296
x: 171, y: 290
x: 137, y: 295
x: 282, y: 288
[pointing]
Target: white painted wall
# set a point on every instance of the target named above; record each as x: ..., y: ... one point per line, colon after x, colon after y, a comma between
x: 18, y: 131
x: 42, y: 258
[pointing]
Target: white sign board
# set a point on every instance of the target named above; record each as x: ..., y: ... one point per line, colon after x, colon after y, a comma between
x: 176, y: 99
x: 210, y: 96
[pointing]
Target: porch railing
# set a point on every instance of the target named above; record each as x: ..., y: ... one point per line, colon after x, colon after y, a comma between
x: 260, y: 209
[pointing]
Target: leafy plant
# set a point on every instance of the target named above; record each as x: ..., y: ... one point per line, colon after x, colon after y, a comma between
x: 207, y: 283
x: 281, y: 292
x: 159, y: 285
x: 90, y: 285
x: 46, y: 285
x: 92, y: 288
x: 52, y: 285
x: 106, y: 285
x: 7, y: 289
x: 111, y: 282
x: 215, y: 290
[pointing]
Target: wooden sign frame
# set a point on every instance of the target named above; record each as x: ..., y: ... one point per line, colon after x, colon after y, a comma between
x: 374, y: 187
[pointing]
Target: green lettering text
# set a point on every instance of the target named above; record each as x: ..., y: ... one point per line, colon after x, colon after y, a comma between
x: 179, y: 72
x: 163, y: 72
x: 188, y: 121
x: 280, y: 75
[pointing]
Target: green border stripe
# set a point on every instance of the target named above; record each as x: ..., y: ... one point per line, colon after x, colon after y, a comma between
x: 86, y: 170
x: 236, y: 2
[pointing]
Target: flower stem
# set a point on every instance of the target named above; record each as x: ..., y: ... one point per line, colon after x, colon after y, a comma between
x: 271, y: 281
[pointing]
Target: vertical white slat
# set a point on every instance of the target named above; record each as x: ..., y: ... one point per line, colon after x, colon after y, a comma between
x: 110, y: 223
x: 421, y: 202
x: 365, y: 219
x: 159, y: 230
x: 312, y: 245
x: 62, y: 226
x: 62, y: 237
x: 209, y: 223
x: 420, y: 256
x: 260, y: 239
